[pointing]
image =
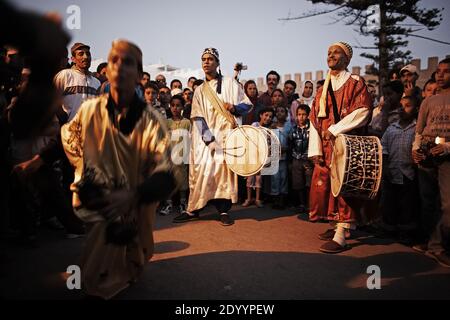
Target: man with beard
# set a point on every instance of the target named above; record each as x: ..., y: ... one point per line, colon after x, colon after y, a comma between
x: 342, y: 105
x: 77, y: 84
x: 409, y: 76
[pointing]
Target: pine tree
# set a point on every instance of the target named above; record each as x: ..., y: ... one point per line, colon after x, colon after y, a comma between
x: 385, y: 21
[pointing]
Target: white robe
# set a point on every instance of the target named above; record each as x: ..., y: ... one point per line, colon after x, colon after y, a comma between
x: 210, y: 178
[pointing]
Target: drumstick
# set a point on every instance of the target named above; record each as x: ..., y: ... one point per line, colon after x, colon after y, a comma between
x: 246, y: 135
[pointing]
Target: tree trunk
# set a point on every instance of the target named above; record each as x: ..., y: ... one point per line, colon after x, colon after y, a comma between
x: 382, y: 49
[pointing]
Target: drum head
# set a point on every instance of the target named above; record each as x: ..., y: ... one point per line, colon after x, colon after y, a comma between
x: 246, y: 150
x: 356, y: 166
x: 273, y: 144
x: 338, y: 165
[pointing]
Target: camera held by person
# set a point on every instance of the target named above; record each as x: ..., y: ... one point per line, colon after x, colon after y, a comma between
x: 238, y: 67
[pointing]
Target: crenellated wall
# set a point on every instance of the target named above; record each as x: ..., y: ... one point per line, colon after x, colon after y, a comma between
x: 424, y: 75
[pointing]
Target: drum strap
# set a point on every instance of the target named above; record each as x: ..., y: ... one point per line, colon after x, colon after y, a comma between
x: 337, y: 117
x: 217, y: 103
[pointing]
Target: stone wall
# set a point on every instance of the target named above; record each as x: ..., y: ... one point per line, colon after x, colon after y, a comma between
x: 424, y: 75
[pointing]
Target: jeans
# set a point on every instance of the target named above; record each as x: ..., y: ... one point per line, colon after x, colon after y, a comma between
x: 279, y: 181
x: 430, y: 209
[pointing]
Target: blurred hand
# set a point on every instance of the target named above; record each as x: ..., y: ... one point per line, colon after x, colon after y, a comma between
x: 236, y: 74
x: 213, y: 148
x: 317, y: 160
x: 329, y: 136
x: 417, y: 156
x: 229, y: 107
x: 437, y: 150
x: 28, y: 167
x: 409, y: 89
x: 381, y: 103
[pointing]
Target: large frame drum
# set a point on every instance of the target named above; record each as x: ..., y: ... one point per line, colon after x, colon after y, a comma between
x: 356, y: 166
x: 249, y: 149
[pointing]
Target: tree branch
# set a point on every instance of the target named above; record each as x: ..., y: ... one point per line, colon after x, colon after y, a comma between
x: 361, y: 47
x: 409, y: 25
x: 427, y: 38
x: 311, y: 14
x: 357, y: 16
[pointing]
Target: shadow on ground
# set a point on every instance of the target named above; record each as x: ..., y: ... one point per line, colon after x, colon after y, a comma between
x: 287, y: 276
x: 39, y: 274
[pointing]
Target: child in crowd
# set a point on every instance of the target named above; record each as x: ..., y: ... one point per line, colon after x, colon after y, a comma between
x: 302, y: 167
x: 188, y: 94
x: 151, y: 94
x: 279, y: 181
x: 279, y: 100
x: 429, y: 89
x: 254, y: 182
x: 179, y: 128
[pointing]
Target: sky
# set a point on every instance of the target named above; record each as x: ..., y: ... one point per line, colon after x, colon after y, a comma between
x: 175, y: 32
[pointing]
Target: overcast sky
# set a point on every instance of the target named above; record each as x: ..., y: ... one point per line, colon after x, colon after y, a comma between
x: 176, y: 32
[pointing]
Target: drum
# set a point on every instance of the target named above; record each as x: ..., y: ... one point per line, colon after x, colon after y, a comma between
x: 356, y: 166
x: 248, y: 150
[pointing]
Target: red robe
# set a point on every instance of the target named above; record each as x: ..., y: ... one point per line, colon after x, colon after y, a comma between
x: 352, y: 95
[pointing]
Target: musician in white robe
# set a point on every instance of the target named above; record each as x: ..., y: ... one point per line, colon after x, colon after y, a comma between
x: 210, y: 179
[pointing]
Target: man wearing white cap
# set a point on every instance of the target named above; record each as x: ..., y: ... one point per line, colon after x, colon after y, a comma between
x: 342, y: 105
x: 77, y: 84
x: 215, y: 103
x: 409, y: 76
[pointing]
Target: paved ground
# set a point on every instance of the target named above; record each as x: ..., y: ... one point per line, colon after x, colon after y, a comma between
x: 267, y: 254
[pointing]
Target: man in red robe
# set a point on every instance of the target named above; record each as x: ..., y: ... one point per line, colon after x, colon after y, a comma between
x: 349, y: 115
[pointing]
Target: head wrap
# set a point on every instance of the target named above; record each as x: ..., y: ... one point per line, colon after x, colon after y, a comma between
x: 323, y: 98
x: 346, y: 47
x: 176, y: 91
x: 214, y: 52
